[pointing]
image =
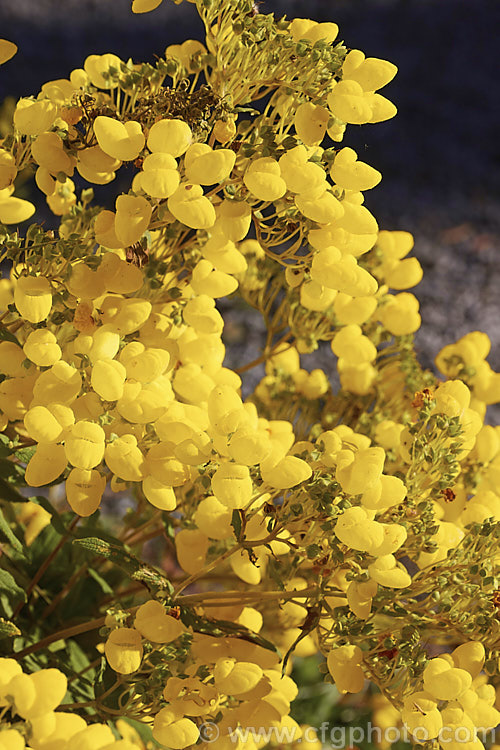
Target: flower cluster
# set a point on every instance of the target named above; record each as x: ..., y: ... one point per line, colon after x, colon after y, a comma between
x: 32, y: 700
x: 358, y: 521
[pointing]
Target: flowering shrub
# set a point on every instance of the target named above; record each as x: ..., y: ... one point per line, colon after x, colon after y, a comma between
x: 169, y: 547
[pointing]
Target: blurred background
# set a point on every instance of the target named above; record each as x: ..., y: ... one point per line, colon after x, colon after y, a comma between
x: 440, y: 157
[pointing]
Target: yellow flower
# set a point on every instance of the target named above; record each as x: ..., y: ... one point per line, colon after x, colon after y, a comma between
x: 160, y: 177
x: 47, y: 464
x: 123, y: 650
x: 191, y: 546
x: 158, y: 494
x: 84, y: 445
x: 121, y: 141
x: 96, y: 166
x: 34, y: 117
x: 8, y: 169
x: 344, y: 664
x: 207, y: 280
x: 310, y: 123
x: 352, y: 174
x: 232, y: 485
x: 400, y: 314
x: 469, y: 656
x: 386, y: 571
x: 189, y: 206
x: 145, y: 6
x: 125, y: 459
x: 170, y: 137
x: 421, y: 716
x: 47, y: 424
x: 108, y: 377
x: 205, y: 166
x: 133, y: 214
x: 38, y: 693
x: 7, y: 50
x: 289, y: 472
x: 233, y: 219
x: 11, y: 739
x: 33, y: 298
x: 41, y: 347
x: 174, y: 730
x: 324, y: 209
x: 305, y: 28
x: 263, y: 179
x: 234, y: 677
x: 301, y: 175
x: 359, y: 471
x: 445, y: 682
x: 48, y: 151
x: 35, y: 518
x: 348, y: 102
x: 84, y: 490
x: 102, y: 70
x: 155, y: 624
x: 213, y: 518
x: 224, y: 254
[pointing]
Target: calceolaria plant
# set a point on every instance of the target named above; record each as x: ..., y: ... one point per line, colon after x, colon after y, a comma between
x: 169, y: 547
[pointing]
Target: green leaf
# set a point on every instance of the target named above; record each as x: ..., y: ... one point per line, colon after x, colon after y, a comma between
x: 144, y: 732
x: 154, y: 579
x: 309, y: 624
x: 25, y: 454
x: 56, y: 519
x: 238, y: 523
x: 105, y: 587
x: 5, y: 446
x: 106, y: 681
x: 7, y: 532
x: 8, y: 492
x: 77, y: 658
x: 6, y: 335
x: 8, y: 584
x: 221, y: 628
x: 8, y: 629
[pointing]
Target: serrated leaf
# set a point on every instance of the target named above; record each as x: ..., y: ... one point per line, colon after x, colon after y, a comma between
x: 8, y: 629
x: 237, y: 522
x: 8, y: 584
x: 135, y: 568
x: 221, y: 628
x: 25, y: 454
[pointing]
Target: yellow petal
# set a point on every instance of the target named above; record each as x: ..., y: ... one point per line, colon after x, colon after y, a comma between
x: 190, y: 207
x: 145, y: 6
x: 123, y: 141
x: 47, y: 463
x: 170, y: 136
x: 123, y: 650
x: 133, y: 214
x: 14, y: 210
x: 7, y: 50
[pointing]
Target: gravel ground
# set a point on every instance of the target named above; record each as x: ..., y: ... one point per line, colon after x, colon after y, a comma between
x: 439, y: 157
